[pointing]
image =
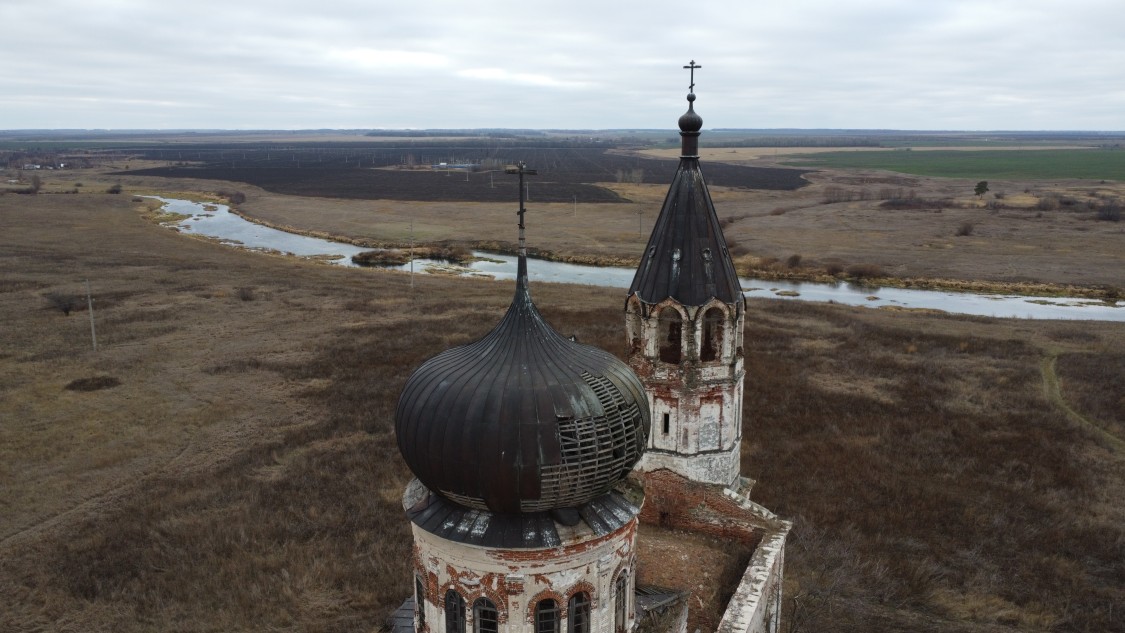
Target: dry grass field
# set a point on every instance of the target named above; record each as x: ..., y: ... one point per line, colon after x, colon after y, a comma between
x: 225, y: 460
x: 884, y: 224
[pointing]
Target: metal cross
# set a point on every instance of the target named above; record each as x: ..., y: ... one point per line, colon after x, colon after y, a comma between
x: 521, y: 169
x: 692, y: 67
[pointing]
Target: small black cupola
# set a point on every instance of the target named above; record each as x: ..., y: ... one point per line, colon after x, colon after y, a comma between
x: 686, y: 257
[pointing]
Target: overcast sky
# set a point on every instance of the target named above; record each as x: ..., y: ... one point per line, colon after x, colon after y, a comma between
x: 282, y: 64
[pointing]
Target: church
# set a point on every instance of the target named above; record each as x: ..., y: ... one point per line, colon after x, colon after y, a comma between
x: 557, y: 488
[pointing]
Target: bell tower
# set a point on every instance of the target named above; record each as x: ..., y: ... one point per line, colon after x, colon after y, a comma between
x: 683, y: 319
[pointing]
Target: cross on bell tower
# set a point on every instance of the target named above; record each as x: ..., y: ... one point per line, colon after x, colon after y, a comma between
x: 692, y: 66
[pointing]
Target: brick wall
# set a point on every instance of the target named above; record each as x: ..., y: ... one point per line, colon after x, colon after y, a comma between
x: 516, y: 579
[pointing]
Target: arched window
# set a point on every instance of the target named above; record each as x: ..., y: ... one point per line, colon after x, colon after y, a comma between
x: 579, y: 611
x: 620, y: 603
x: 547, y: 616
x: 454, y: 612
x: 668, y: 335
x: 711, y: 345
x: 484, y: 616
x: 419, y: 604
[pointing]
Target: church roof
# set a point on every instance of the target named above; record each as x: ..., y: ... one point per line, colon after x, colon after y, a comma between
x: 686, y: 257
x: 599, y: 516
x: 522, y: 420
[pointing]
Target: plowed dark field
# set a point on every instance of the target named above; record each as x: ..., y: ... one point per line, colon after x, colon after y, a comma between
x: 413, y: 173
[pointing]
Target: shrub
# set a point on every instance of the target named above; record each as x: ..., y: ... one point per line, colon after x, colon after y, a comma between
x: 63, y: 302
x: 1110, y: 211
x: 965, y: 229
x: 93, y: 383
x: 864, y: 271
x: 244, y: 293
x: 912, y: 202
x: 1047, y: 203
x: 114, y: 189
x: 448, y: 253
x: 736, y: 249
x: 833, y: 269
x: 793, y: 261
x: 389, y: 257
x: 233, y: 197
x: 836, y: 194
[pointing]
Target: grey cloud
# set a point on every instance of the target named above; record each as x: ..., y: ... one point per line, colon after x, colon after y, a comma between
x: 977, y: 64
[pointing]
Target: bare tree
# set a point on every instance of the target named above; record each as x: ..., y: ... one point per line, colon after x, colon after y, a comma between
x: 65, y: 303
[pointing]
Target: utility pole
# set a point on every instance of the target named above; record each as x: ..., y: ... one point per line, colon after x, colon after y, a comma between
x: 90, y: 309
x: 575, y: 205
x: 411, y: 253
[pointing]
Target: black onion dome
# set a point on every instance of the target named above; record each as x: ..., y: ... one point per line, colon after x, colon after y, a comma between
x: 523, y: 420
x: 690, y: 121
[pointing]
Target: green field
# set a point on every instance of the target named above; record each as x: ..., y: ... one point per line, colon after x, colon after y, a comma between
x: 1094, y: 164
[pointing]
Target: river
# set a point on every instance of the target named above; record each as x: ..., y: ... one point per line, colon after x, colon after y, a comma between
x: 216, y: 220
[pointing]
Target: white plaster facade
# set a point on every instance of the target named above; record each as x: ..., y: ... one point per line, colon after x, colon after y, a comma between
x: 756, y: 604
x: 695, y: 391
x: 515, y: 580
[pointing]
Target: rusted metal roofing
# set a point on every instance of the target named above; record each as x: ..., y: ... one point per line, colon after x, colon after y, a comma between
x: 529, y: 530
x: 523, y: 420
x: 686, y: 257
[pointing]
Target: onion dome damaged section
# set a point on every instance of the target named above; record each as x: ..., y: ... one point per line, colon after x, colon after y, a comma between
x: 523, y: 420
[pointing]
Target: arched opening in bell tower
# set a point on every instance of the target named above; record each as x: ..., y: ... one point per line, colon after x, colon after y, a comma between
x: 669, y: 335
x: 711, y: 343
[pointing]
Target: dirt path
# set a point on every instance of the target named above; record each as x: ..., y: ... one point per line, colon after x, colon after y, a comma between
x: 1054, y: 393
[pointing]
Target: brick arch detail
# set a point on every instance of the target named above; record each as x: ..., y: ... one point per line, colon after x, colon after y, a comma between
x: 622, y: 567
x: 580, y: 587
x: 545, y: 595
x: 459, y: 589
x: 486, y: 592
